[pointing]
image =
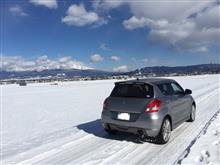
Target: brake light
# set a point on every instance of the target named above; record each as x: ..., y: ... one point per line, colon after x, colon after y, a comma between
x: 154, y: 106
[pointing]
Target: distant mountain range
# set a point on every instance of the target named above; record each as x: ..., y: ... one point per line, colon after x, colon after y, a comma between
x: 69, y: 73
x: 162, y: 70
x: 55, y: 73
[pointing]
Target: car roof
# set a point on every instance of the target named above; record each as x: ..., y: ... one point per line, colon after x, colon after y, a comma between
x: 147, y: 80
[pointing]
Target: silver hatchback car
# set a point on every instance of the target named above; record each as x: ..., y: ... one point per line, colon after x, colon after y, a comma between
x: 148, y: 107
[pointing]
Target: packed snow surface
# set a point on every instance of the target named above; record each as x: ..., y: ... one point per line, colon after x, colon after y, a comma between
x: 60, y: 124
x: 207, y: 148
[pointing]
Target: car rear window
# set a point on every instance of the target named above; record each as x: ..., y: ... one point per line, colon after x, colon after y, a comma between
x: 133, y: 90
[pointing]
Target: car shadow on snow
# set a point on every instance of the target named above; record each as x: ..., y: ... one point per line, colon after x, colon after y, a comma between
x: 95, y: 128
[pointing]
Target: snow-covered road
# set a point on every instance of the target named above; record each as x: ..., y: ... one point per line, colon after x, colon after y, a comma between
x: 47, y: 124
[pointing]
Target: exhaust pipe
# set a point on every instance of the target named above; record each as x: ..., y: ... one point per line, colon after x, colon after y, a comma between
x: 141, y: 133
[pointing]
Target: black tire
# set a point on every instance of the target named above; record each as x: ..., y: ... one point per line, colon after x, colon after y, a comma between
x: 165, y: 132
x: 192, y: 114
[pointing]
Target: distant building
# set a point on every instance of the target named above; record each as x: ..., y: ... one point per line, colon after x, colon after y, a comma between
x: 22, y: 83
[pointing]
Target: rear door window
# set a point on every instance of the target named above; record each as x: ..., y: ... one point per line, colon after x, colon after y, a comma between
x: 133, y: 90
x: 177, y: 88
x: 166, y: 89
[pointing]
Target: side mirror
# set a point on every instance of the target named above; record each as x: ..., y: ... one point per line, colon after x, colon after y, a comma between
x: 187, y: 92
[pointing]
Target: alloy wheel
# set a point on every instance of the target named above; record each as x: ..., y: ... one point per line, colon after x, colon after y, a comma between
x: 166, y: 130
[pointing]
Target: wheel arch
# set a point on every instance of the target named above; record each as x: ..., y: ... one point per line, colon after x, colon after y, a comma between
x: 194, y: 103
x: 170, y: 119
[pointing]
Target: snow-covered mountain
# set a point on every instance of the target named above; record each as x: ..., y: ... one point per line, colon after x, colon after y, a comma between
x: 66, y: 73
x: 161, y: 70
x: 83, y: 71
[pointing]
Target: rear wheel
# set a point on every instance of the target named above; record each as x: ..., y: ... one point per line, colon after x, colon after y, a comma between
x: 192, y: 114
x: 165, y: 132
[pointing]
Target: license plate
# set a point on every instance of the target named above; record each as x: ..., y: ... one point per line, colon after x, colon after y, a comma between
x: 124, y: 116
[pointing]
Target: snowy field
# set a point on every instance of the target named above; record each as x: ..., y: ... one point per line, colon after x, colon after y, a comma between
x: 207, y: 147
x: 60, y: 124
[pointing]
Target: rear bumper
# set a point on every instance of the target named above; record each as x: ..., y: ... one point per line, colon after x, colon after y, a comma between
x: 134, y: 130
x: 149, y: 124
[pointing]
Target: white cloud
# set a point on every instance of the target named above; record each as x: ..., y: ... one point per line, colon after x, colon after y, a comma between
x: 78, y: 16
x: 187, y: 34
x: 17, y: 10
x: 51, y: 4
x: 209, y: 18
x: 96, y: 58
x: 150, y: 62
x: 122, y: 68
x: 172, y: 33
x: 162, y: 30
x: 162, y: 9
x: 106, y: 4
x: 201, y: 49
x: 145, y: 60
x: 115, y: 58
x: 134, y: 23
x: 103, y: 46
x: 183, y: 25
x: 170, y: 10
x: 18, y: 63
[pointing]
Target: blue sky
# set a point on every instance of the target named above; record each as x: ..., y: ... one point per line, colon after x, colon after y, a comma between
x: 108, y: 35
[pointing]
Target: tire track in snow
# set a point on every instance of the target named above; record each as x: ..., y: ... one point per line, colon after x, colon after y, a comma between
x: 54, y: 151
x: 186, y: 152
x: 73, y: 150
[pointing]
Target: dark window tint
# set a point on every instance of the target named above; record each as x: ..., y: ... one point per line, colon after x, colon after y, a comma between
x: 133, y: 90
x: 166, y: 88
x: 177, y: 88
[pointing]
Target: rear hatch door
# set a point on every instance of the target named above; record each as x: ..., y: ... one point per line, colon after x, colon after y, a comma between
x: 129, y: 100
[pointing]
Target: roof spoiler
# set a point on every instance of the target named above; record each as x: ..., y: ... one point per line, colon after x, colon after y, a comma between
x: 140, y: 83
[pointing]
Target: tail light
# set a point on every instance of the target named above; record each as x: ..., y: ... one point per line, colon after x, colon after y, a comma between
x: 154, y: 106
